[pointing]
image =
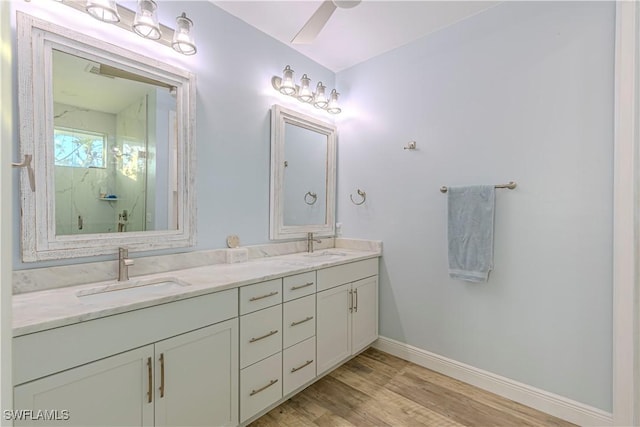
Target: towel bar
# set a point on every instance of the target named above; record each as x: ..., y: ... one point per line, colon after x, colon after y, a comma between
x: 511, y: 185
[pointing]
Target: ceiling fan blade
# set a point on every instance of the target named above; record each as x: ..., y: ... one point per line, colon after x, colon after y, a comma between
x: 314, y: 25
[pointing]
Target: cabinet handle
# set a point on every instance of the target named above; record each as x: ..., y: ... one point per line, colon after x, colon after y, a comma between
x: 161, y: 374
x: 301, y: 321
x: 307, y: 363
x: 264, y: 336
x: 350, y: 301
x: 272, y: 382
x: 150, y: 388
x: 264, y: 296
x: 295, y: 288
x: 355, y: 307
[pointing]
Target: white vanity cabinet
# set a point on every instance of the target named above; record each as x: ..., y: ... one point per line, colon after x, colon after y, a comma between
x: 347, y: 310
x: 260, y: 346
x: 195, y: 377
x: 277, y: 343
x: 123, y: 381
x: 219, y: 359
x: 187, y: 379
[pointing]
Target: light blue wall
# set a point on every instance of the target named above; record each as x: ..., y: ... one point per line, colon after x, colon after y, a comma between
x: 233, y: 67
x: 522, y: 92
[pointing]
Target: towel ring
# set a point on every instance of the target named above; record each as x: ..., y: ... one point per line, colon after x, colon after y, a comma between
x: 310, y: 196
x: 361, y: 194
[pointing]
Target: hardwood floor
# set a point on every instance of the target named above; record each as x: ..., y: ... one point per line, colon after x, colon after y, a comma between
x: 377, y: 389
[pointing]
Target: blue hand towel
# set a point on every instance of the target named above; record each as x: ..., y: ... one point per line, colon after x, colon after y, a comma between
x: 470, y: 232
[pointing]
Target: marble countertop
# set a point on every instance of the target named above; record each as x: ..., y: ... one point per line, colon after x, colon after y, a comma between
x: 38, y: 311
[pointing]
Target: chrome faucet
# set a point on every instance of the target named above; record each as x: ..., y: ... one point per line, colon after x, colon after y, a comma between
x: 123, y: 264
x: 310, y: 241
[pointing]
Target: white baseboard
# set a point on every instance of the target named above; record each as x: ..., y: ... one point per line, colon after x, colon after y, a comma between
x: 553, y: 404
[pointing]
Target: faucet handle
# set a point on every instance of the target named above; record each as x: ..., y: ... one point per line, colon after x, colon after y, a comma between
x: 123, y: 254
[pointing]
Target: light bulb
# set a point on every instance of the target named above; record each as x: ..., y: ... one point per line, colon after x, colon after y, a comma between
x: 332, y: 107
x: 320, y: 99
x: 146, y: 23
x: 305, y: 94
x: 182, y: 38
x: 287, y: 86
x: 103, y: 10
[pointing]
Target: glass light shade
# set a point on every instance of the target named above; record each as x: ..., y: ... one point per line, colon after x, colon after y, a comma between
x: 320, y: 99
x: 182, y: 38
x: 103, y: 10
x: 332, y: 107
x: 287, y: 86
x: 305, y: 94
x: 145, y: 24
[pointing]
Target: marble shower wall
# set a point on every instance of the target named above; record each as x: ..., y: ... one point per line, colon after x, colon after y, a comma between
x: 78, y: 207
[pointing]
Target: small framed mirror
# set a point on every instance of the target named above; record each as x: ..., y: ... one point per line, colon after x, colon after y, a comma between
x: 303, y: 175
x: 111, y: 135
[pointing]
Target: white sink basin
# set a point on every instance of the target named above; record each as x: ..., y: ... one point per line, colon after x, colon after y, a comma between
x: 325, y: 254
x: 130, y: 290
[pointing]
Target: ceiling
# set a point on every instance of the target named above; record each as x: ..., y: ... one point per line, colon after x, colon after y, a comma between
x: 353, y: 35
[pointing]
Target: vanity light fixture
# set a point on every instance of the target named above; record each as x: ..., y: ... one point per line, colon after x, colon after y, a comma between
x: 103, y: 10
x: 182, y: 38
x: 286, y: 85
x: 146, y: 22
x: 143, y: 21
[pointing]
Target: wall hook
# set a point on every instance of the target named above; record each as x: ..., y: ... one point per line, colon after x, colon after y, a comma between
x: 411, y: 145
x: 26, y: 163
x: 361, y: 194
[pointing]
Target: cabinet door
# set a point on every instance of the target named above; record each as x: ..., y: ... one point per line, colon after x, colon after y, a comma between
x: 197, y: 377
x: 364, y: 322
x: 333, y: 324
x: 109, y: 392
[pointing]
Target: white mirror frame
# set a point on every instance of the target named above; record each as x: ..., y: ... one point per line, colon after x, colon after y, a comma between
x: 36, y: 39
x: 281, y: 116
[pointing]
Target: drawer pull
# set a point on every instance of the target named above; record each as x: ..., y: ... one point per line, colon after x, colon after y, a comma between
x: 307, y: 363
x: 355, y: 307
x: 295, y: 288
x: 161, y: 374
x: 264, y: 296
x: 272, y: 382
x: 264, y: 336
x: 150, y: 389
x: 301, y: 321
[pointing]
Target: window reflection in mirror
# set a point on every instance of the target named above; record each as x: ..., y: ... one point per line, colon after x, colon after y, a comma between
x: 114, y: 132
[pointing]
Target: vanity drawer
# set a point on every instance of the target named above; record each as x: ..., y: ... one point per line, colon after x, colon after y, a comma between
x: 298, y: 320
x: 346, y: 273
x: 298, y: 365
x: 260, y: 386
x: 260, y: 335
x: 260, y: 295
x: 299, y: 285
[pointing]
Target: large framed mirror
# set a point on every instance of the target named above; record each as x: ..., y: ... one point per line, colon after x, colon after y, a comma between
x: 111, y: 133
x: 303, y: 175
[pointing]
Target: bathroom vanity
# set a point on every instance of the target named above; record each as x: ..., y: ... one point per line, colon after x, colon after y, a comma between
x: 213, y: 345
